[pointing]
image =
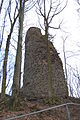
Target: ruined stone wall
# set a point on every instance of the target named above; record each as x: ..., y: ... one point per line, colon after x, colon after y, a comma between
x: 35, y: 79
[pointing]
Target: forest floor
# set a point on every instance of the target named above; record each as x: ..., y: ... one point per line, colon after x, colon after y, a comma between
x: 30, y: 106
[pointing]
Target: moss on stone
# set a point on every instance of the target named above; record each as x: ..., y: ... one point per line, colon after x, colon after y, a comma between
x: 53, y: 100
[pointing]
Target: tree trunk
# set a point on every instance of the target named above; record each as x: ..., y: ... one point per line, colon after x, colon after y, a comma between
x: 1, y: 5
x: 17, y: 69
x: 49, y: 62
x: 5, y: 61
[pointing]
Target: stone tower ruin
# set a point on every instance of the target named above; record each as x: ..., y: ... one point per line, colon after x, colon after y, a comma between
x: 35, y: 79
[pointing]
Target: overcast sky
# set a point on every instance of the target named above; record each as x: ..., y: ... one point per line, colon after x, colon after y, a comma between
x: 71, y: 24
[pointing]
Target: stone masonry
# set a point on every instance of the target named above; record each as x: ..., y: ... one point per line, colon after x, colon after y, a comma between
x: 35, y: 79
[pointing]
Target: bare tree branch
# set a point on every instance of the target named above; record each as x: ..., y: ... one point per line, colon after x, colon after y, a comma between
x: 78, y: 1
x: 56, y: 13
x: 1, y: 5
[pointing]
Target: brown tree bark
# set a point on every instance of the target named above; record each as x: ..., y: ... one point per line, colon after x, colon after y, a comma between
x: 17, y: 68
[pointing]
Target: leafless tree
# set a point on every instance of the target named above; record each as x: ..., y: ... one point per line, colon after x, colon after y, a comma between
x: 48, y: 10
x: 17, y: 69
x: 74, y: 81
x: 1, y: 5
x: 78, y: 1
x: 12, y: 22
x: 65, y: 58
x: 78, y: 10
x: 3, y: 26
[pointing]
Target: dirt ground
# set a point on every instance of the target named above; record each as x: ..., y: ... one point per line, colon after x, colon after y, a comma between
x: 69, y: 112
